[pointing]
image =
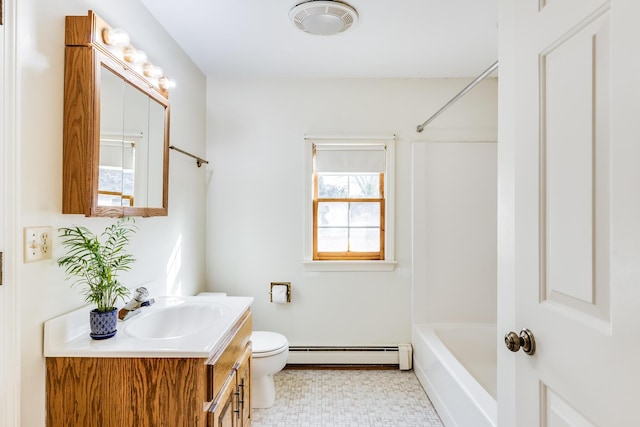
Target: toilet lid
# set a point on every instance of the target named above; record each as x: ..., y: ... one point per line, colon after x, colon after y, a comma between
x: 268, y: 342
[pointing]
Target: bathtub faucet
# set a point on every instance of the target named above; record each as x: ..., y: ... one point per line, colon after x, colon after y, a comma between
x: 132, y: 307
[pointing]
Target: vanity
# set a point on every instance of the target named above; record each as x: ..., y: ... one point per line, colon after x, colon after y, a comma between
x: 184, y: 361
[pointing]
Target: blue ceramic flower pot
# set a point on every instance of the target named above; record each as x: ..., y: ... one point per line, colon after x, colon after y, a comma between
x: 103, y: 323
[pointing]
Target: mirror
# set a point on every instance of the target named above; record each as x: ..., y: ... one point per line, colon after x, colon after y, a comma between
x: 116, y: 129
x: 131, y: 145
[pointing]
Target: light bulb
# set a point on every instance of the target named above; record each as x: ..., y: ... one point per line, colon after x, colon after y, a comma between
x: 134, y: 56
x: 151, y: 70
x: 115, y: 37
x: 166, y: 83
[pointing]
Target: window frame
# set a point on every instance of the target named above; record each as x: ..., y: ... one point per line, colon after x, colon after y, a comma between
x: 348, y: 255
x: 385, y: 262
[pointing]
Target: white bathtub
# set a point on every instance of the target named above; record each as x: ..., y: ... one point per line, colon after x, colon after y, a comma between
x: 456, y: 365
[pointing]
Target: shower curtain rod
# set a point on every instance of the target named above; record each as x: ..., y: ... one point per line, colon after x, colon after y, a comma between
x: 460, y: 94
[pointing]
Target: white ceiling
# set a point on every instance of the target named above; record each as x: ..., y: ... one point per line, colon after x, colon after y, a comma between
x: 393, y: 38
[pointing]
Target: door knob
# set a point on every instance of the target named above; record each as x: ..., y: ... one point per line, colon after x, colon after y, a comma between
x: 525, y: 340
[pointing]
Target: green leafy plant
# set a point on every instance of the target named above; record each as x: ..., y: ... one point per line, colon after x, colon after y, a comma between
x: 96, y: 264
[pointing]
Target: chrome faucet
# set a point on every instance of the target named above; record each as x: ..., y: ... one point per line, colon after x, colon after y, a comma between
x: 132, y: 307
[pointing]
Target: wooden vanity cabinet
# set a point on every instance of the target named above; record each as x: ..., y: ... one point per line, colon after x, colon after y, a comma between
x: 154, y: 392
x: 232, y: 408
x: 244, y: 386
x: 231, y: 405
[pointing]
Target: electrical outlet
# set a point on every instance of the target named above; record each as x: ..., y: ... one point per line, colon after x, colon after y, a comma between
x: 37, y: 243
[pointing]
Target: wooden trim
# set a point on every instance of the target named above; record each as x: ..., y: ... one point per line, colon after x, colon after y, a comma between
x: 119, y: 194
x: 350, y: 200
x: 315, y: 205
x: 348, y: 256
x: 78, y: 155
x: 382, y: 227
x: 382, y: 214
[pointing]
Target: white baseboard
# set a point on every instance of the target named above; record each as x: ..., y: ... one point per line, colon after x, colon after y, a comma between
x: 350, y: 355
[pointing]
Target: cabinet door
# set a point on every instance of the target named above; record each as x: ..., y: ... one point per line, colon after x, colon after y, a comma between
x: 224, y: 413
x: 244, y: 387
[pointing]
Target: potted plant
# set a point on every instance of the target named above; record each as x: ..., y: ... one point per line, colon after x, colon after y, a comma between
x: 96, y: 264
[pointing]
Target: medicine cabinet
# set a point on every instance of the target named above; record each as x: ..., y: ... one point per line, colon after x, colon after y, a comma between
x: 116, y: 128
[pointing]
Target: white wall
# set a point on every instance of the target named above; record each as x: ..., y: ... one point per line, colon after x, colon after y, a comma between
x: 255, y: 195
x: 454, y: 232
x: 169, y: 249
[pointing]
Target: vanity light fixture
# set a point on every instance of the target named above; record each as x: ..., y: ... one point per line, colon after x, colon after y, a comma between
x: 118, y: 39
x: 323, y: 18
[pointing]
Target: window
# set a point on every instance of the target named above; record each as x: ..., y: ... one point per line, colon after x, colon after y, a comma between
x: 116, y: 172
x: 350, y: 204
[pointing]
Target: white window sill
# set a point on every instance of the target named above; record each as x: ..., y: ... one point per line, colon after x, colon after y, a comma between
x: 349, y: 265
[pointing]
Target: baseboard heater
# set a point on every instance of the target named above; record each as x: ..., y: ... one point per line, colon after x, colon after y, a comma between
x: 400, y: 355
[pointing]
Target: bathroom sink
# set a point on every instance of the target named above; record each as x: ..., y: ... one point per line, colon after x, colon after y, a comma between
x: 174, y: 321
x: 174, y: 326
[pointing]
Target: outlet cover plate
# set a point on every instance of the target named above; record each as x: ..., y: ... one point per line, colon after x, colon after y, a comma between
x: 37, y: 243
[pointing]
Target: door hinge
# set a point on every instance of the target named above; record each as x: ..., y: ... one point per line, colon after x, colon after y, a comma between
x: 1, y: 268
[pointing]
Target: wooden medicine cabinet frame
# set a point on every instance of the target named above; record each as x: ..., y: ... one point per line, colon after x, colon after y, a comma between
x: 87, y: 56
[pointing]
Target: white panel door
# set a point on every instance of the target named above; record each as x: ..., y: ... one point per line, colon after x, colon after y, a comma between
x: 575, y: 153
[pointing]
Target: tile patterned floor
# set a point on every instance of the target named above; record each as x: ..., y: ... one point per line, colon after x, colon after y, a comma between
x: 347, y: 398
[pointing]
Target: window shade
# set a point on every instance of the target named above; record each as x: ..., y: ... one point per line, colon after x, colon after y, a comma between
x: 350, y: 158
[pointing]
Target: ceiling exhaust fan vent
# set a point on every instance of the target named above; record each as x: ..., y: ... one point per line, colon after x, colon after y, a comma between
x: 323, y: 18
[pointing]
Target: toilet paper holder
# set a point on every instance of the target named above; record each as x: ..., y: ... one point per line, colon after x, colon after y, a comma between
x: 278, y: 284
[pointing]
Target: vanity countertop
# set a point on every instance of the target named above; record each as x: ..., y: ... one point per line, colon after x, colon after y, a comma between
x: 68, y: 335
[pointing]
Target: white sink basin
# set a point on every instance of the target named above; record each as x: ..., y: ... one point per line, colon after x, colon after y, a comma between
x: 175, y: 321
x: 175, y: 326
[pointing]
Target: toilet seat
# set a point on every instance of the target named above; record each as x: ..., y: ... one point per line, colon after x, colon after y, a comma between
x: 265, y: 343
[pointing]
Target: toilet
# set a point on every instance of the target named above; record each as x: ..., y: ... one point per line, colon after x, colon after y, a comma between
x: 270, y: 351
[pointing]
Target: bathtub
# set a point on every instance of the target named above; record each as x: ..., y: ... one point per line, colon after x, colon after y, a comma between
x: 456, y: 365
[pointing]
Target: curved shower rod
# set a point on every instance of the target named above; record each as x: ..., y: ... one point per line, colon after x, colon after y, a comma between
x: 460, y: 94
